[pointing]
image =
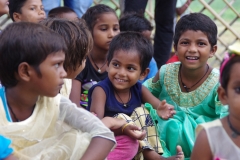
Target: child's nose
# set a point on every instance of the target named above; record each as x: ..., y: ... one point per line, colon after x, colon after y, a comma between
x: 63, y: 73
x: 110, y: 33
x: 192, y: 48
x: 122, y: 72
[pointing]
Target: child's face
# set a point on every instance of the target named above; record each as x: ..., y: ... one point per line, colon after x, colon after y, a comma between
x: 73, y: 74
x: 193, y: 49
x: 4, y: 7
x: 69, y: 16
x: 52, y: 71
x: 104, y: 30
x: 124, y: 69
x: 32, y: 11
x: 231, y: 97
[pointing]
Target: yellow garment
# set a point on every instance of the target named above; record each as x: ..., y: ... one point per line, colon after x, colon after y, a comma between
x: 45, y: 135
x: 66, y: 88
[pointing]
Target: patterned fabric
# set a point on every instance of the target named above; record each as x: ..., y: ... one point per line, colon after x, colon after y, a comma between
x: 199, y: 106
x: 222, y: 147
x: 142, y: 119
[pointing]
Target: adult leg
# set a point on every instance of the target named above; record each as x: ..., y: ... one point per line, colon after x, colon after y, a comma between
x: 79, y: 6
x: 50, y: 4
x: 135, y: 6
x: 164, y: 16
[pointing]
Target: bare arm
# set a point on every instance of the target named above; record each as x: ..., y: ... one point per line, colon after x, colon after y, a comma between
x: 201, y: 149
x: 98, y: 102
x: 98, y: 148
x: 149, y: 98
x: 183, y: 8
x: 75, y: 92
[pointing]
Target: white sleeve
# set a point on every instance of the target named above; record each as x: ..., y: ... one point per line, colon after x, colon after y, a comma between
x: 83, y: 120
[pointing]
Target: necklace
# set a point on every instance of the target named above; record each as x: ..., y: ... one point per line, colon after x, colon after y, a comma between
x: 235, y: 133
x: 99, y: 68
x: 129, y: 96
x: 14, y: 115
x: 188, y: 88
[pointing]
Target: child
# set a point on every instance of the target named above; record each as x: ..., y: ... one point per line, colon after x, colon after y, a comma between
x: 63, y: 12
x: 4, y: 7
x: 189, y: 85
x: 128, y: 58
x: 26, y: 10
x: 219, y: 139
x: 39, y: 126
x: 103, y: 23
x: 138, y: 23
x: 5, y: 150
x: 79, y: 42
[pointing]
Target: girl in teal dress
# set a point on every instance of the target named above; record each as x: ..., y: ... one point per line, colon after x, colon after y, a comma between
x: 189, y: 85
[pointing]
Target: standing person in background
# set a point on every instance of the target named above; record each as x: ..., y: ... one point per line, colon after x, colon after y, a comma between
x: 164, y: 16
x: 79, y: 6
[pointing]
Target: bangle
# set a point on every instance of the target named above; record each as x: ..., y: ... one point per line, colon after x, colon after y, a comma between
x: 125, y: 125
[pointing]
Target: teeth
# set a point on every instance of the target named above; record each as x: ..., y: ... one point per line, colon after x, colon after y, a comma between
x: 192, y: 58
x: 120, y: 80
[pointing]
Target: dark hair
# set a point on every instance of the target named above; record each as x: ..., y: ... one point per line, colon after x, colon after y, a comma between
x: 56, y: 12
x: 25, y: 42
x: 15, y: 6
x: 196, y: 22
x: 226, y: 71
x: 129, y: 40
x: 77, y: 37
x: 134, y: 22
x: 94, y: 12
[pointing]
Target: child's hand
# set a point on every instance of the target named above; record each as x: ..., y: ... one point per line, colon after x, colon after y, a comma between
x: 165, y: 110
x: 133, y: 131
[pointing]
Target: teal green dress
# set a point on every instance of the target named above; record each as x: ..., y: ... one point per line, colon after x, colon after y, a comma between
x: 192, y: 108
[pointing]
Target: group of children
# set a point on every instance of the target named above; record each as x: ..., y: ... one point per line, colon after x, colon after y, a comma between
x: 71, y: 86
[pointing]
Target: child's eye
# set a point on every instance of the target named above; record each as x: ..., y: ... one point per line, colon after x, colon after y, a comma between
x: 131, y: 68
x: 103, y: 29
x: 32, y: 8
x: 201, y: 43
x: 237, y: 90
x: 184, y: 43
x: 116, y: 29
x: 115, y: 64
x: 57, y: 65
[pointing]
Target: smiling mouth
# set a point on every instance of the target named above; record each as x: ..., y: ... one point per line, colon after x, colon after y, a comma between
x: 120, y: 80
x: 192, y: 58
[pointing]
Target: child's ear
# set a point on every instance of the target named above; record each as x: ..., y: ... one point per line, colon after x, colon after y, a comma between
x: 213, y: 51
x: 222, y: 95
x: 24, y: 71
x: 175, y: 48
x: 17, y: 17
x: 144, y: 74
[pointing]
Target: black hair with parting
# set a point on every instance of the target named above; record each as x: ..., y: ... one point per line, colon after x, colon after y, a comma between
x: 132, y: 41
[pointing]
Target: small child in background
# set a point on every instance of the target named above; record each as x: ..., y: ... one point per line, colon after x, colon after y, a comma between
x: 5, y: 150
x: 26, y: 10
x: 220, y: 139
x: 138, y: 23
x: 79, y: 42
x: 103, y: 23
x: 128, y: 58
x: 41, y: 123
x: 189, y: 85
x: 63, y: 12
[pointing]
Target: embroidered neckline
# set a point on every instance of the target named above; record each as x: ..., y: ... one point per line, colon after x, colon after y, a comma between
x: 187, y: 99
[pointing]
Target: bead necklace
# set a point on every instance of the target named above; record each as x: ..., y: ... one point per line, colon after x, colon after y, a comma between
x: 235, y: 133
x: 129, y: 97
x: 99, y: 68
x: 188, y: 88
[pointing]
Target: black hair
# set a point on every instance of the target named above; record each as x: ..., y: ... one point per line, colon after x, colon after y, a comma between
x: 128, y: 41
x: 56, y: 12
x: 26, y: 42
x: 196, y: 22
x: 15, y: 6
x: 94, y: 12
x: 77, y: 37
x: 226, y: 71
x: 134, y: 22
